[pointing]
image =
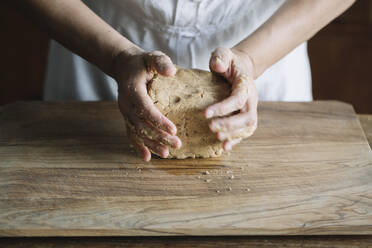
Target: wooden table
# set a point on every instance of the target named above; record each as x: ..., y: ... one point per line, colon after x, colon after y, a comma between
x: 221, y: 241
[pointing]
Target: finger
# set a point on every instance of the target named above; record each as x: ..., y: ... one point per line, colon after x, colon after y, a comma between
x: 228, y: 145
x: 146, y: 109
x: 141, y: 150
x: 239, y: 133
x: 234, y: 102
x: 161, y: 63
x: 220, y: 60
x: 146, y: 130
x: 238, y: 121
x: 156, y: 147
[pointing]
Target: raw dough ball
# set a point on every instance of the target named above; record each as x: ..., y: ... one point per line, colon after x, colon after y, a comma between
x: 182, y: 99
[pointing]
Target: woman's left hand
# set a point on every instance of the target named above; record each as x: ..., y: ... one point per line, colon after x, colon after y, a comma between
x: 238, y: 112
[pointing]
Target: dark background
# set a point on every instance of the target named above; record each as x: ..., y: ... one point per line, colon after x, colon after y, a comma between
x: 340, y: 57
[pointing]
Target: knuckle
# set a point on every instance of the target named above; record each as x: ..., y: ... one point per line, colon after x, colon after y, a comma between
x: 157, y: 59
x: 139, y: 111
x: 164, y: 60
x: 248, y: 119
x: 227, y: 124
x: 240, y: 101
x: 216, y: 123
x: 219, y: 109
x: 153, y: 120
x: 156, y: 53
x: 138, y: 126
x: 161, y: 120
x: 222, y: 50
x: 164, y: 57
x: 148, y: 142
x: 249, y: 123
x: 163, y: 136
x: 135, y: 139
x: 141, y: 130
x: 158, y: 120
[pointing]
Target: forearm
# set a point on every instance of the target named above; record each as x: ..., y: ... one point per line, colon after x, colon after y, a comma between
x: 73, y: 24
x: 295, y: 22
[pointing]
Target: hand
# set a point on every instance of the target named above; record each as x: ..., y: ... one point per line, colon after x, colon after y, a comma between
x: 149, y: 130
x: 238, y: 112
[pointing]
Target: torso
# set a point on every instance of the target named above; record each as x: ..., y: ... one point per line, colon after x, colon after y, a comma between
x: 188, y: 31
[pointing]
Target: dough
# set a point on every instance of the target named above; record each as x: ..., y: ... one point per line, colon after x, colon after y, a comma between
x: 182, y: 99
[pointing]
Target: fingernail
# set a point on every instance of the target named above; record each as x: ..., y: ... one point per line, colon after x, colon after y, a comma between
x: 209, y: 113
x: 161, y: 67
x: 179, y: 144
x: 221, y: 136
x: 216, y: 60
x: 228, y: 146
x: 165, y: 153
x: 146, y: 158
x: 174, y: 70
x: 172, y: 130
x: 170, y: 71
x: 215, y: 127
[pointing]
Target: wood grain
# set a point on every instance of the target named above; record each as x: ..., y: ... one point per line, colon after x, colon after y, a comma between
x: 66, y: 170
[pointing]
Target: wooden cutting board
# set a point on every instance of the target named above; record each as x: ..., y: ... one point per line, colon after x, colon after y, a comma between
x: 66, y: 169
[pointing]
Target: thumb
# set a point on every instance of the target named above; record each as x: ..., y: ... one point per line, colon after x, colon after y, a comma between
x: 220, y: 60
x: 159, y: 62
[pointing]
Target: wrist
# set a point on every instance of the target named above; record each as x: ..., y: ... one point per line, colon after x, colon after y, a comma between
x: 122, y: 57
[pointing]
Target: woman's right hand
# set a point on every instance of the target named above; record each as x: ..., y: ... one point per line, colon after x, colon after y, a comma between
x: 149, y: 130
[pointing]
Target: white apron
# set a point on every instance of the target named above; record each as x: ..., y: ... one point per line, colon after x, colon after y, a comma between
x: 186, y: 30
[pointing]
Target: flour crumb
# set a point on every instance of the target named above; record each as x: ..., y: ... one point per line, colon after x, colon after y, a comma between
x: 231, y: 177
x: 229, y: 189
x: 207, y: 180
x: 206, y: 173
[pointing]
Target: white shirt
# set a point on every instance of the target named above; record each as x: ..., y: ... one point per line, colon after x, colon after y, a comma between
x: 187, y: 31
